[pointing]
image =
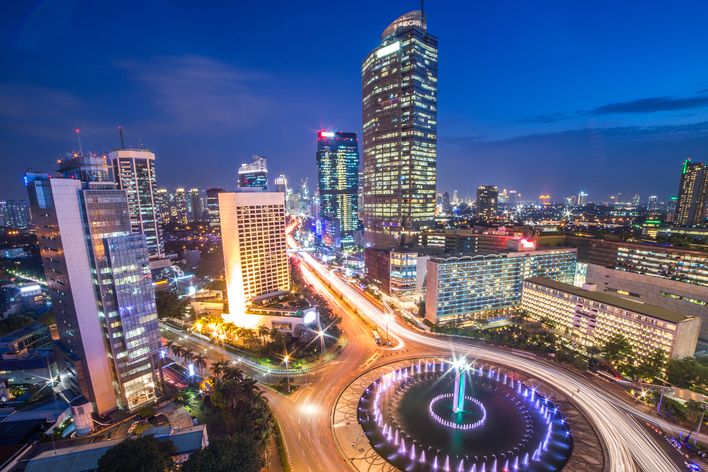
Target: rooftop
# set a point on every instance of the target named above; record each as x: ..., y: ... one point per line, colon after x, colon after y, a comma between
x: 608, y: 299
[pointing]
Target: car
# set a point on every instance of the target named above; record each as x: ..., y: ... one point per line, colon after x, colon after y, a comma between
x: 692, y: 466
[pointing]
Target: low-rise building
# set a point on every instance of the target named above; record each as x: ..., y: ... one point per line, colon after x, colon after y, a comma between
x: 590, y: 318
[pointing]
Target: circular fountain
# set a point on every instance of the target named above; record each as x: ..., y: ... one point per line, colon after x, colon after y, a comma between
x: 454, y: 416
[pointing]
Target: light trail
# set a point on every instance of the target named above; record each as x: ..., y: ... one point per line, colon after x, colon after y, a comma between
x: 629, y: 446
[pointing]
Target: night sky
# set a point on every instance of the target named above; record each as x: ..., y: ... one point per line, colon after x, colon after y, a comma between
x: 541, y: 96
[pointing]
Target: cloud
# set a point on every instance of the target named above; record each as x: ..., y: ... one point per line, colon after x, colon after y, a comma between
x: 198, y: 93
x: 653, y: 105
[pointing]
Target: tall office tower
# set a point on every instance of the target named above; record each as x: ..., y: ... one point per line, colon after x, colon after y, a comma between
x: 213, y: 207
x: 253, y: 240
x: 692, y: 195
x: 98, y: 275
x: 86, y: 167
x: 514, y: 197
x: 304, y: 198
x: 134, y: 172
x: 653, y: 203
x: 487, y: 196
x: 253, y: 175
x: 545, y: 199
x: 503, y: 197
x: 338, y: 183
x: 399, y: 90
x: 162, y: 200
x: 582, y: 198
x: 455, y: 197
x: 636, y: 200
x: 181, y: 213
x: 195, y: 207
x: 281, y: 183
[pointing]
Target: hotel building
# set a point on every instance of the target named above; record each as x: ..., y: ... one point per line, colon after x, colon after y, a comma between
x: 692, y: 196
x: 253, y: 239
x: 591, y: 318
x: 253, y: 175
x: 462, y: 286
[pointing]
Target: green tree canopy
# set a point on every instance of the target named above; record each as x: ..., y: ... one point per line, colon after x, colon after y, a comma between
x: 242, y: 453
x: 169, y: 305
x: 144, y: 454
x: 687, y: 373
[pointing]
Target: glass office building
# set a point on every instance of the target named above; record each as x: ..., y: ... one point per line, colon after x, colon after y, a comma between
x: 459, y: 287
x: 338, y: 181
x: 253, y: 175
x: 400, y: 94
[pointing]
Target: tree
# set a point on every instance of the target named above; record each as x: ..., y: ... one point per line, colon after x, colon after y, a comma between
x: 144, y: 454
x: 169, y: 305
x: 652, y: 365
x: 618, y: 350
x: 687, y: 373
x: 263, y: 332
x: 242, y: 453
x: 218, y: 368
x: 200, y: 361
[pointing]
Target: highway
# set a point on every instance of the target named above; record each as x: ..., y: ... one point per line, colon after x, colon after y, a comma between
x: 305, y: 416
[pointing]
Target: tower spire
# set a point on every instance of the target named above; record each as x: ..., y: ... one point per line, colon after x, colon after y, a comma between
x: 78, y: 137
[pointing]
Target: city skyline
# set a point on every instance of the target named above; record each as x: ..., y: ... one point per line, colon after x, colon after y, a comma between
x: 579, y: 129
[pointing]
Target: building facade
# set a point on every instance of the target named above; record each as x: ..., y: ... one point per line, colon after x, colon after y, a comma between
x: 195, y: 205
x: 253, y: 175
x: 460, y: 287
x: 487, y: 197
x: 399, y: 90
x: 253, y: 240
x: 591, y: 318
x: 692, y: 195
x: 134, y: 172
x: 213, y: 207
x: 338, y: 181
x: 672, y: 263
x: 98, y: 277
x: 180, y: 209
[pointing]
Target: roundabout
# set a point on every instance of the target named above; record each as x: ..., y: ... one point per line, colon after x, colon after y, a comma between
x: 432, y: 414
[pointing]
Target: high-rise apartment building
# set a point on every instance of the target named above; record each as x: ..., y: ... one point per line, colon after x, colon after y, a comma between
x: 213, y: 207
x: 653, y: 203
x: 692, y: 195
x: 134, y: 172
x: 487, y: 196
x: 15, y: 214
x: 180, y: 209
x: 400, y: 94
x: 195, y: 205
x: 98, y: 276
x: 281, y: 184
x: 458, y: 287
x: 338, y: 181
x: 253, y: 175
x: 253, y: 240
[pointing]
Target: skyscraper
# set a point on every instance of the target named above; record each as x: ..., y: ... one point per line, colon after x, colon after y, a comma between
x: 582, y: 198
x: 98, y: 275
x: 253, y: 175
x: 15, y: 214
x: 281, y: 184
x: 87, y: 167
x: 162, y: 200
x: 653, y: 203
x: 692, y: 195
x: 181, y: 213
x: 195, y: 205
x: 487, y: 196
x: 338, y: 180
x: 134, y: 172
x: 213, y: 207
x: 253, y: 240
x: 399, y: 90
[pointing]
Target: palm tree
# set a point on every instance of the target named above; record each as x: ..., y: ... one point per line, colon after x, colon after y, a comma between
x: 263, y: 331
x: 218, y: 368
x: 200, y: 361
x: 188, y: 355
x: 176, y: 349
x: 233, y: 373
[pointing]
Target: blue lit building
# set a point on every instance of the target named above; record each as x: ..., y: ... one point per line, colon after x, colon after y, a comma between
x: 468, y: 286
x: 253, y: 175
x: 338, y: 181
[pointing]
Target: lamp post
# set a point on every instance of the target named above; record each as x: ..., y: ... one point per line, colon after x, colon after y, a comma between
x: 287, y: 374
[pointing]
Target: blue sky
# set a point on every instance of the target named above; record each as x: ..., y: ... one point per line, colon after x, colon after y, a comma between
x: 541, y: 96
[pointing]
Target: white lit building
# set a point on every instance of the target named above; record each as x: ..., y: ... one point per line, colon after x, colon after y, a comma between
x: 591, y: 318
x: 253, y: 239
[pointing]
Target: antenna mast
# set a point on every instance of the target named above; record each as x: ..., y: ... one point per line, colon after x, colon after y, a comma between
x: 78, y: 137
x: 422, y: 10
x: 120, y: 132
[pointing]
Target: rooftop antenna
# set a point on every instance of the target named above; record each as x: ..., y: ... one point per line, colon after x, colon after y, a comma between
x: 120, y: 132
x: 77, y: 131
x: 422, y: 10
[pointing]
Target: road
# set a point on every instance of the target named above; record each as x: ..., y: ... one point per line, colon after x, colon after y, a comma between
x: 305, y: 416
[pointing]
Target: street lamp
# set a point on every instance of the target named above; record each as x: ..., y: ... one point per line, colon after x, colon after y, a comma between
x: 287, y: 374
